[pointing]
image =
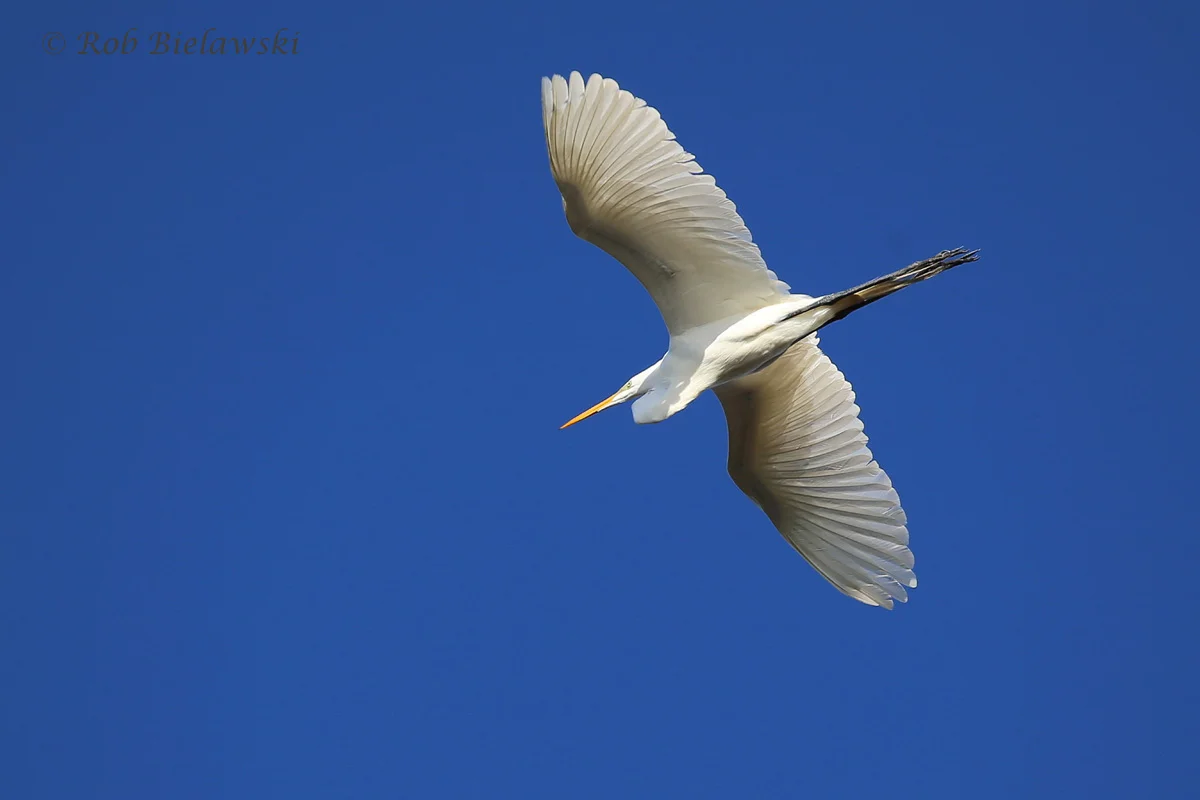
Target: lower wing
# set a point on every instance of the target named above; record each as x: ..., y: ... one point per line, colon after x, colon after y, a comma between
x: 797, y: 449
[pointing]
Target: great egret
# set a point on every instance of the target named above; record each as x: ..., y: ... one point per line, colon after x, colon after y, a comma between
x: 796, y: 445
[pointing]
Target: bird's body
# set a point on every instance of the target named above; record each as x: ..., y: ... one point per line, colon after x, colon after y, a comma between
x: 796, y: 446
x: 716, y: 353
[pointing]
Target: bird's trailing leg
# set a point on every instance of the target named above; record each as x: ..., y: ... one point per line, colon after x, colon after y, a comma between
x: 840, y: 304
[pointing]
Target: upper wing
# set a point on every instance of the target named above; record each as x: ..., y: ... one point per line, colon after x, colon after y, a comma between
x: 797, y: 448
x: 631, y: 190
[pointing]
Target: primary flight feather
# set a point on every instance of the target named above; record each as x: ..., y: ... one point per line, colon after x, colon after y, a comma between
x: 796, y: 445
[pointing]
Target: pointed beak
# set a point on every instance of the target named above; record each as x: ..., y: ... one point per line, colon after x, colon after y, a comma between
x: 603, y: 404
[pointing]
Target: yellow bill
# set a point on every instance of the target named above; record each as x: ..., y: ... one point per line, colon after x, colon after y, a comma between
x: 603, y: 404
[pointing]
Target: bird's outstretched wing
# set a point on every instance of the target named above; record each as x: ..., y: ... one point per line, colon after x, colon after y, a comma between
x: 797, y: 449
x: 630, y: 189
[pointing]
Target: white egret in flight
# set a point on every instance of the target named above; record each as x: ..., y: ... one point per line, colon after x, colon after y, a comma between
x: 796, y: 445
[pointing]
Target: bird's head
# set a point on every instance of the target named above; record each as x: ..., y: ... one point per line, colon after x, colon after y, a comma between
x: 635, y: 387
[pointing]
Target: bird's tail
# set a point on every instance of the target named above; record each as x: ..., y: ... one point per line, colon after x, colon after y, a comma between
x: 842, y: 303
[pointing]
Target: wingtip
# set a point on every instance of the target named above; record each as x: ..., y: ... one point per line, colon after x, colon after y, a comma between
x: 575, y: 80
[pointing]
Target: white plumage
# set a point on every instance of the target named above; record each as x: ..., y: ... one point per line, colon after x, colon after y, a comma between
x: 797, y: 448
x: 796, y: 445
x: 630, y: 189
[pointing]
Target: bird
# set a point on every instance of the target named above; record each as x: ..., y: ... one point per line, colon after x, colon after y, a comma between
x: 797, y: 448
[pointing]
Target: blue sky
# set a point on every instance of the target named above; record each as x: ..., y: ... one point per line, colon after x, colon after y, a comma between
x: 288, y: 339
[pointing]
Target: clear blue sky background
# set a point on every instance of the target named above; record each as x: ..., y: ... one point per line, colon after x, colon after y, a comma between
x: 287, y: 341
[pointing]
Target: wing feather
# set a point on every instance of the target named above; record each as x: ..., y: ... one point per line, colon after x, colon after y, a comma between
x: 630, y: 189
x: 797, y: 448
